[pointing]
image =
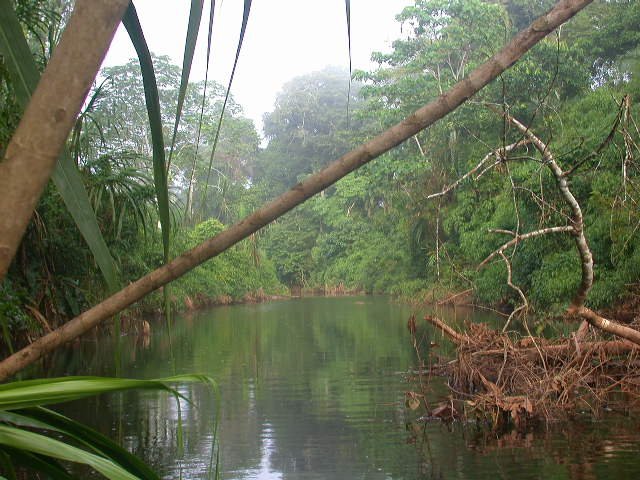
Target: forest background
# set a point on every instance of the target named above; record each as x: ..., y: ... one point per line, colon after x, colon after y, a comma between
x: 376, y: 230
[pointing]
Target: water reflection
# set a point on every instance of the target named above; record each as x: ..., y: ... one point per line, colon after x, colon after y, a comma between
x: 312, y: 389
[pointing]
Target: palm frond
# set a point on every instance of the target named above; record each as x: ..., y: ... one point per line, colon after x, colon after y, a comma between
x: 24, y: 76
x: 132, y: 24
x: 245, y: 19
x: 193, y: 27
x: 26, y: 426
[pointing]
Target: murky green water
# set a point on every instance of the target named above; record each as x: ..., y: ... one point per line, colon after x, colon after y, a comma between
x: 314, y: 389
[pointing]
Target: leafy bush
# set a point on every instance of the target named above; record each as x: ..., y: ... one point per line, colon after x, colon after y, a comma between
x: 240, y: 271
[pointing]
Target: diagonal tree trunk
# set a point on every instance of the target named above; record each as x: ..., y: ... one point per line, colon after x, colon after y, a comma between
x: 34, y: 148
x: 349, y: 162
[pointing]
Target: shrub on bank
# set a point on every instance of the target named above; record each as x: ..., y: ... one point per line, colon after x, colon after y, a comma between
x: 240, y: 273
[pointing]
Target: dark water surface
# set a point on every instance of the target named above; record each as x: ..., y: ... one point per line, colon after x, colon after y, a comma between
x: 314, y: 388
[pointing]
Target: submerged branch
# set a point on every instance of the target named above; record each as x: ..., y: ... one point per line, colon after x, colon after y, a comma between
x: 456, y: 337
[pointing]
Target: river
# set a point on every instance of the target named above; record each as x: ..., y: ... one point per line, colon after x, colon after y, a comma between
x: 314, y: 388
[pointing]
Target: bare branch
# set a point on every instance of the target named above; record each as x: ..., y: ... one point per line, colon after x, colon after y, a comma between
x: 455, y: 336
x: 541, y: 202
x: 576, y: 212
x: 524, y: 236
x: 605, y: 142
x: 500, y: 154
x: 577, y: 229
x: 415, y: 137
x: 607, y: 325
x: 525, y: 304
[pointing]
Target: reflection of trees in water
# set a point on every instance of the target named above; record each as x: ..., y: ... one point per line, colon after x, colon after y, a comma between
x: 576, y: 450
x: 311, y: 389
x: 295, y: 378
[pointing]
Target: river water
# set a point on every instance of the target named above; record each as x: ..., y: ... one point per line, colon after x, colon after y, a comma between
x: 314, y: 388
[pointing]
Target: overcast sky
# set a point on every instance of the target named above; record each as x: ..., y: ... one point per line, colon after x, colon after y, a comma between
x: 284, y: 38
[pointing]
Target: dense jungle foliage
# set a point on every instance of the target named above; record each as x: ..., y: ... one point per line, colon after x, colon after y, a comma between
x: 375, y: 230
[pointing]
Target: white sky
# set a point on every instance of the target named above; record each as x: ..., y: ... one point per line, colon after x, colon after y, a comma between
x: 284, y: 39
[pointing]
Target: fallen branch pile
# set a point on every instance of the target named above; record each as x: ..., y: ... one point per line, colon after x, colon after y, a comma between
x: 499, y: 377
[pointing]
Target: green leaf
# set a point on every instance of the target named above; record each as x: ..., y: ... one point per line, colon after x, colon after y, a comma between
x: 46, y: 419
x: 132, y: 24
x: 71, y: 188
x: 39, y: 444
x: 193, y: 27
x: 39, y: 392
x: 243, y: 29
x: 39, y: 463
x: 24, y: 75
x: 347, y: 4
x: 212, y: 11
x: 6, y: 466
x: 17, y: 402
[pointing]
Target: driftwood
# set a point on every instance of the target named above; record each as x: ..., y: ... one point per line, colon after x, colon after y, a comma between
x: 563, y: 346
x: 522, y: 380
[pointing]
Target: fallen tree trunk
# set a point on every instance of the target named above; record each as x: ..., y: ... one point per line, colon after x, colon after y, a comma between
x: 349, y: 162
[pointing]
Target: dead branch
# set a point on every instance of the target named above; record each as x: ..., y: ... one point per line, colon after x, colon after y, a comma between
x: 500, y: 155
x: 524, y: 236
x: 456, y: 337
x: 534, y: 378
x: 455, y: 295
x: 419, y: 120
x: 525, y: 304
x: 577, y: 230
x: 577, y: 222
x: 623, y: 105
x: 610, y: 347
x: 606, y: 325
x: 422, y: 154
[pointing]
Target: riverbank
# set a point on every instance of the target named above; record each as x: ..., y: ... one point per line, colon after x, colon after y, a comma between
x: 516, y: 378
x: 136, y: 319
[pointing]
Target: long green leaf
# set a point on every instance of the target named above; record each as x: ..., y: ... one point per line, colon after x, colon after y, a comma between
x: 243, y: 29
x: 42, y: 445
x: 6, y: 466
x: 69, y: 182
x: 39, y: 392
x: 152, y: 98
x: 188, y: 206
x: 348, y: 14
x: 43, y: 418
x: 24, y: 75
x: 195, y: 16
